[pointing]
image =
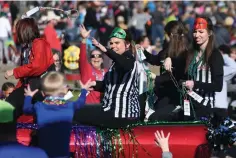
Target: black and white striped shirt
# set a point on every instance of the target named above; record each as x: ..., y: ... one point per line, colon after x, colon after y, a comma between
x: 121, y: 94
x: 204, y: 75
x: 210, y: 79
x: 121, y: 86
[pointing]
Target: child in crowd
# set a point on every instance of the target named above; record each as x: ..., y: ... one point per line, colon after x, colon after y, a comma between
x: 7, y: 88
x: 54, y: 114
x: 163, y: 143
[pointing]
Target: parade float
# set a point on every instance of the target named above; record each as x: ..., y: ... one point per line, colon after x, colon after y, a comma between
x: 187, y: 140
x: 195, y: 139
x: 134, y: 141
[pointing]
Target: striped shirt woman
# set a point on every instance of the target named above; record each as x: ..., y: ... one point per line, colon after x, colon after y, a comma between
x: 120, y: 86
x: 204, y: 67
x: 120, y: 105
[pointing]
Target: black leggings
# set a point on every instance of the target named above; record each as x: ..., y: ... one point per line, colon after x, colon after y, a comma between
x: 16, y: 98
x: 167, y: 112
x: 164, y: 111
x: 95, y: 116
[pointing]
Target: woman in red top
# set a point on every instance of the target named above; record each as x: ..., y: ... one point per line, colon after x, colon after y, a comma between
x: 37, y: 59
x: 92, y: 70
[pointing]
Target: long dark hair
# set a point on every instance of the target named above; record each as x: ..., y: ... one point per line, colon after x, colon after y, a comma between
x: 178, y: 43
x: 209, y: 48
x: 27, y: 30
x: 128, y: 40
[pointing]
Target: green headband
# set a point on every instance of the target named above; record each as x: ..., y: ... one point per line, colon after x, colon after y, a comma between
x: 118, y: 33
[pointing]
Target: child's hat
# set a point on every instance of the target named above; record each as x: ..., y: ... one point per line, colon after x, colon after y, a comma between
x: 6, y: 112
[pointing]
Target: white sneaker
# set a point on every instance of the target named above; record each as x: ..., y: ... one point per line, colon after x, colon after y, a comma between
x: 149, y: 113
x: 233, y: 104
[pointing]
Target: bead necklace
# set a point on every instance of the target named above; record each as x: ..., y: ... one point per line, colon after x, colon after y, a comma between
x: 54, y: 100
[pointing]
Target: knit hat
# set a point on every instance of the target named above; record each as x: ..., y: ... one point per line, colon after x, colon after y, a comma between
x: 229, y: 21
x: 6, y: 112
x: 120, y: 19
x: 118, y: 33
x: 6, y: 5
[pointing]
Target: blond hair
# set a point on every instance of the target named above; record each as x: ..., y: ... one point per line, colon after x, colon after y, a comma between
x: 54, y: 83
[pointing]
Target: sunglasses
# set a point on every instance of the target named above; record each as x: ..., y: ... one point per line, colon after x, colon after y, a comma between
x: 96, y: 56
x: 57, y: 61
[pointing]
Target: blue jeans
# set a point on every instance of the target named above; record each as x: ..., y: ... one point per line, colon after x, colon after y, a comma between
x: 157, y: 32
